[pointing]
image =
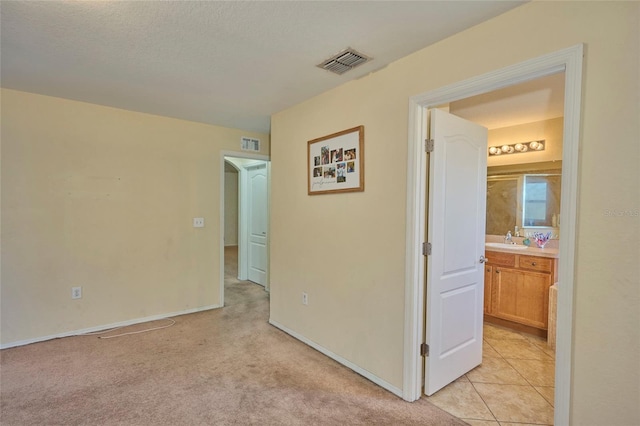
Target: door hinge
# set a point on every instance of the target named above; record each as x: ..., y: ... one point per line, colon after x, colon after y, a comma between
x: 428, y: 145
x: 424, y: 349
x: 426, y: 249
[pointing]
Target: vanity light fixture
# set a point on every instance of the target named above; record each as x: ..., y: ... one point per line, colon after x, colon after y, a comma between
x: 517, y: 148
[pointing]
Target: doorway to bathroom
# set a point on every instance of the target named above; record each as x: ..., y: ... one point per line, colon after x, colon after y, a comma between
x: 523, y: 198
x: 568, y: 61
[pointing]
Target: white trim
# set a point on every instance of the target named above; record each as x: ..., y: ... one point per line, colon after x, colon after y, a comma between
x: 568, y: 242
x: 415, y: 267
x: 108, y: 326
x: 243, y: 250
x: 366, y: 374
x: 568, y: 60
x: 243, y: 154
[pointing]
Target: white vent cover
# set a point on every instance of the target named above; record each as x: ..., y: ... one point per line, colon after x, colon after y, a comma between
x: 344, y: 61
x: 250, y: 144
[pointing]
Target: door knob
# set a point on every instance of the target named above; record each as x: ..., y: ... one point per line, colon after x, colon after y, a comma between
x: 483, y: 259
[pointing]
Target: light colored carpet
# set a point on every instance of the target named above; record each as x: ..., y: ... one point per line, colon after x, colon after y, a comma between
x: 222, y: 367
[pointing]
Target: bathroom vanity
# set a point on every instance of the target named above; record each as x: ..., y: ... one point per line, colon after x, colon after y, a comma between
x: 516, y: 287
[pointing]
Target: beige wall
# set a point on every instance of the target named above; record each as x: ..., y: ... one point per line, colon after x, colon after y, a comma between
x: 549, y: 130
x: 347, y: 250
x: 104, y: 199
x: 231, y: 208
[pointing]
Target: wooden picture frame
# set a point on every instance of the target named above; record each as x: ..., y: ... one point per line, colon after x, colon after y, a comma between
x: 335, y: 163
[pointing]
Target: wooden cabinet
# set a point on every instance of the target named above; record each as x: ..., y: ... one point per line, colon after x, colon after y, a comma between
x: 488, y: 277
x: 517, y: 289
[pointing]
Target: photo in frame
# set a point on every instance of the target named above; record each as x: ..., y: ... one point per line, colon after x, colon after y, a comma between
x: 335, y: 163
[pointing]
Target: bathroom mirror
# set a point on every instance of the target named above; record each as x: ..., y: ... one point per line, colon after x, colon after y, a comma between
x: 526, y: 196
x: 541, y: 201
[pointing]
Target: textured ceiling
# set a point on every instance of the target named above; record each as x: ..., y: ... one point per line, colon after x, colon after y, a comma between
x: 225, y: 63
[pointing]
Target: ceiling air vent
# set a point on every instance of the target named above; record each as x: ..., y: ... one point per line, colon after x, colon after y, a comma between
x: 344, y: 61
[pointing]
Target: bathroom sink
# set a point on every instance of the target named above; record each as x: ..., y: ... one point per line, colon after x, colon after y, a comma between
x: 505, y: 246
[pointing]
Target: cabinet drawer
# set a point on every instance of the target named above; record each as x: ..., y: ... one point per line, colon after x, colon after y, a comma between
x: 541, y: 264
x: 502, y: 259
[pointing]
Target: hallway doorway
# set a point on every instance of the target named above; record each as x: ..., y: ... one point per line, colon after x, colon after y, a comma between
x: 244, y: 212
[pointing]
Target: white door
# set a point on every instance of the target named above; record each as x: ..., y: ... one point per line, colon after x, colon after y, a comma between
x: 257, y: 223
x: 455, y: 229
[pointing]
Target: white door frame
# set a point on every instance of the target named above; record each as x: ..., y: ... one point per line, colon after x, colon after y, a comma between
x: 568, y: 60
x: 241, y: 221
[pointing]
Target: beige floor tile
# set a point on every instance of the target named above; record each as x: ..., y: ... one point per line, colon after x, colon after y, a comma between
x: 462, y: 379
x: 494, y: 332
x: 514, y: 403
x: 496, y: 370
x: 518, y: 349
x: 474, y: 422
x: 461, y: 400
x: 537, y: 372
x: 535, y: 339
x: 518, y: 424
x: 488, y: 351
x: 541, y: 343
x: 548, y: 392
x: 546, y: 349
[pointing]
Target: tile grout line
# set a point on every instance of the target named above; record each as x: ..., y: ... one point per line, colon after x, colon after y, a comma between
x: 550, y: 358
x: 483, y: 401
x: 476, y: 390
x: 529, y: 384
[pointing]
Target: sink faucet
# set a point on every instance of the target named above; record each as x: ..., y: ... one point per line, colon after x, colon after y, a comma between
x: 507, y: 238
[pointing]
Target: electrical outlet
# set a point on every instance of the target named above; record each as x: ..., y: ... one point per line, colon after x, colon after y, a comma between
x: 305, y: 298
x: 76, y: 292
x: 198, y: 222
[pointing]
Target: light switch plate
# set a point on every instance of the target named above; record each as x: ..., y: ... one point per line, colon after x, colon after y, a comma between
x: 198, y: 222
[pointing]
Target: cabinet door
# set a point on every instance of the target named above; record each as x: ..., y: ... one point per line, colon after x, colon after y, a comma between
x: 521, y: 296
x: 488, y: 276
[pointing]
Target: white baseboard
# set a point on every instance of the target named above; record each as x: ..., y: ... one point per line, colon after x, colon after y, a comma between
x: 107, y: 326
x: 366, y: 374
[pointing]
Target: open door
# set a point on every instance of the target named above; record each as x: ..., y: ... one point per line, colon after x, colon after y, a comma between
x: 257, y: 222
x: 456, y: 231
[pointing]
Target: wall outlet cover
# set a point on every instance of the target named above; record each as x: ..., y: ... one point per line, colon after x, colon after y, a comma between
x: 76, y: 292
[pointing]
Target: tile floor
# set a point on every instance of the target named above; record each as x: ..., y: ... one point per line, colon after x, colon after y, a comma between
x: 513, y: 386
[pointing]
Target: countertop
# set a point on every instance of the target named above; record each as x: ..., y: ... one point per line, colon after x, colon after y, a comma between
x: 551, y: 250
x: 529, y: 251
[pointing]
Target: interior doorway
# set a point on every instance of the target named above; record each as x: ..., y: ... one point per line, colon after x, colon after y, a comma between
x: 568, y: 60
x: 244, y: 212
x: 524, y: 184
x: 517, y: 361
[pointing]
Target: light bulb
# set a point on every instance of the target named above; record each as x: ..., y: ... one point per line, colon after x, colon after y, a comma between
x: 505, y: 148
x: 493, y: 150
x: 540, y: 146
x: 519, y: 147
x: 534, y: 145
